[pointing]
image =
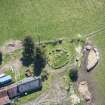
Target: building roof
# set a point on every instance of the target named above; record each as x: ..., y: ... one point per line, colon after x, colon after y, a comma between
x: 2, y: 75
x: 4, y: 99
x: 12, y: 91
x: 30, y: 86
x: 5, y: 78
x: 24, y: 86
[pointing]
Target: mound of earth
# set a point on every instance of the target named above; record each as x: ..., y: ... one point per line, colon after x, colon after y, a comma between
x: 84, y: 91
x: 93, y: 58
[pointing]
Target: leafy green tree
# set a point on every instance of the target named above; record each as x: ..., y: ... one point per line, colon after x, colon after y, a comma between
x: 28, y: 51
x: 39, y: 60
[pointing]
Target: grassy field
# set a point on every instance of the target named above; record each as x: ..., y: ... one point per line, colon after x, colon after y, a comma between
x: 99, y: 73
x: 49, y: 18
x: 53, y: 19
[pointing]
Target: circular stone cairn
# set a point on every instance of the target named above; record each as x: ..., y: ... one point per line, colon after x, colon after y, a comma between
x: 58, y: 58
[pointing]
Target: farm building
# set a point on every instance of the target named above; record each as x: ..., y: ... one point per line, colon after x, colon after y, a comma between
x: 29, y: 85
x: 4, y: 99
x: 5, y: 80
x: 25, y: 86
x: 12, y: 91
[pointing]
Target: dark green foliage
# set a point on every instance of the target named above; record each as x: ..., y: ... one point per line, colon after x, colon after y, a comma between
x: 73, y: 74
x: 1, y: 58
x: 28, y: 52
x: 39, y: 61
x: 44, y: 75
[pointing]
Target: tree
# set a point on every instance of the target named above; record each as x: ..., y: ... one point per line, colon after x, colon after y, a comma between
x: 1, y: 58
x: 28, y: 51
x: 73, y: 73
x: 39, y: 61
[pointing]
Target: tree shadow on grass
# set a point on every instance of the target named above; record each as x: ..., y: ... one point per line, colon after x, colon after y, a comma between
x: 26, y: 61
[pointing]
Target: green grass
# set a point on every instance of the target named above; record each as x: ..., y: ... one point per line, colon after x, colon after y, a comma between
x: 13, y: 74
x: 49, y: 18
x: 99, y: 73
x: 58, y: 59
x: 11, y: 57
x: 59, y: 55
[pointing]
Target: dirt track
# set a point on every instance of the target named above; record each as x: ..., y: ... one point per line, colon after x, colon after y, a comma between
x: 86, y: 76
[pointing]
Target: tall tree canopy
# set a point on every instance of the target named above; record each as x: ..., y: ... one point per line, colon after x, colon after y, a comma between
x: 28, y: 51
x: 39, y: 60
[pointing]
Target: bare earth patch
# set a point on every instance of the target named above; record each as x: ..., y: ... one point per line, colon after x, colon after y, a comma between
x: 84, y: 91
x: 11, y: 46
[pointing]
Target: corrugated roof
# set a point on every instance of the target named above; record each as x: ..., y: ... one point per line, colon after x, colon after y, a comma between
x: 29, y: 86
x: 12, y: 91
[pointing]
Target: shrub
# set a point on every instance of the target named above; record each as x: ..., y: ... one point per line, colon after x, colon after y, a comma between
x: 73, y: 74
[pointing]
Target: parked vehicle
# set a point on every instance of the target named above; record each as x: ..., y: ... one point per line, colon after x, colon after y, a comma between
x: 5, y: 80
